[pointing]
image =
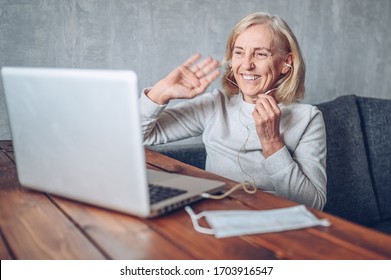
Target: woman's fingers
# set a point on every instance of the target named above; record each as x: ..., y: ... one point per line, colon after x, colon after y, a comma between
x: 198, y: 76
x: 202, y: 68
x: 205, y: 67
x: 267, y: 116
x: 207, y: 80
x: 189, y: 79
x: 267, y: 107
x: 191, y: 60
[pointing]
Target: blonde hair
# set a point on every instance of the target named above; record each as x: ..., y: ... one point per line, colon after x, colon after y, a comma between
x: 290, y: 87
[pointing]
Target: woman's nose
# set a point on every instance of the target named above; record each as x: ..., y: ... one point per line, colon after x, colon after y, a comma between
x: 249, y: 63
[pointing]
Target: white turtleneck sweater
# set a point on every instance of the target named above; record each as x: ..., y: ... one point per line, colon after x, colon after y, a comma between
x: 297, y: 171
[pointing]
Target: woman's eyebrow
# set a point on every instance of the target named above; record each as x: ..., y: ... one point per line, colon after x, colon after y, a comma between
x: 255, y: 49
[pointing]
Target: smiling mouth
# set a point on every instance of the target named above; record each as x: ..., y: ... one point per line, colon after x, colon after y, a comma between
x: 250, y: 77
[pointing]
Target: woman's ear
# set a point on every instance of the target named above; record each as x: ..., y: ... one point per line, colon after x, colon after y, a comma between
x: 287, y: 64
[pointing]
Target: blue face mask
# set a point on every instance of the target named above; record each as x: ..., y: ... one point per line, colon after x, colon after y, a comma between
x: 228, y: 223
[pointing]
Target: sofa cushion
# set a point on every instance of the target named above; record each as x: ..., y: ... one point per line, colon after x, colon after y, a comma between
x: 376, y: 125
x: 350, y: 191
x: 384, y: 226
x: 191, y: 151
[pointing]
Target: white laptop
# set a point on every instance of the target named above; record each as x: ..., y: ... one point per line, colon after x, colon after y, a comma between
x: 76, y: 134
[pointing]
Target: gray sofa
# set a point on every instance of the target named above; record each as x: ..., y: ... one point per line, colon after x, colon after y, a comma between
x: 358, y: 159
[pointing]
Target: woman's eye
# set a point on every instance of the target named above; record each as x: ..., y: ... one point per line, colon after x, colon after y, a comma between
x: 260, y: 54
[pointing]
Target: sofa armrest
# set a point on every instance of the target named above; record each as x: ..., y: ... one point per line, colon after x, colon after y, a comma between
x: 350, y: 192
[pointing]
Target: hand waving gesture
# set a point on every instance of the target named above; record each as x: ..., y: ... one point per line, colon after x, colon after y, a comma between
x: 186, y: 81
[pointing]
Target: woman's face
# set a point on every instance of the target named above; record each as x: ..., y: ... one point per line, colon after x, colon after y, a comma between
x: 255, y: 63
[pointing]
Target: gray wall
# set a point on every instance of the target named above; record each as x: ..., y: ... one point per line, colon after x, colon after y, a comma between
x: 346, y: 43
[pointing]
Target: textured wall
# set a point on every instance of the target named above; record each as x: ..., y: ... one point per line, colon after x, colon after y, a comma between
x: 345, y: 43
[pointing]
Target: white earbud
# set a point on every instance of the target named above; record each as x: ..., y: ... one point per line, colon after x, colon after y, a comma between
x: 288, y: 65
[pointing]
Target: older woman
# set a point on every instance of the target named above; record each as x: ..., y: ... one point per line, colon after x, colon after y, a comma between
x: 254, y: 130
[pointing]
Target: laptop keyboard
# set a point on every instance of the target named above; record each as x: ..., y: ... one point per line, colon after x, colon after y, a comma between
x: 158, y: 193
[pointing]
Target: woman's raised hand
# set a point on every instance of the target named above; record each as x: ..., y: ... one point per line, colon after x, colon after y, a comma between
x: 186, y: 81
x: 267, y: 117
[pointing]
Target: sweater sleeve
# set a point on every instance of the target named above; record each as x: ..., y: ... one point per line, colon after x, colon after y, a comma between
x: 300, y: 175
x: 160, y: 124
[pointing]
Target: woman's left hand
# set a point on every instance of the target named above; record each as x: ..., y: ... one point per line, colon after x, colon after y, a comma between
x: 267, y: 116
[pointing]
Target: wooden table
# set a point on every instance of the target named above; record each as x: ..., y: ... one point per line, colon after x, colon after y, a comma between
x: 35, y: 225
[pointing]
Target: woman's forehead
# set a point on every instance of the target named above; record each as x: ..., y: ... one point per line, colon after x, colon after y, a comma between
x: 256, y: 36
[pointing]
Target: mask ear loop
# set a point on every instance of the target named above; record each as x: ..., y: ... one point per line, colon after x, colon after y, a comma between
x: 194, y: 219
